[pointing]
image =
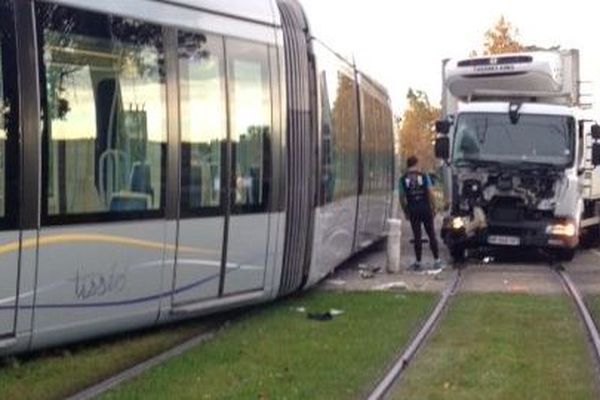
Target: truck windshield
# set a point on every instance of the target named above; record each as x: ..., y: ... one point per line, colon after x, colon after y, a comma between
x: 546, y: 139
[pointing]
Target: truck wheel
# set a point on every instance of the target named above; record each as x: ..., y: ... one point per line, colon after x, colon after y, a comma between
x: 458, y: 253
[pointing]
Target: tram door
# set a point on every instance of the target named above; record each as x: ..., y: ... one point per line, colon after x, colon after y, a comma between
x: 249, y: 84
x: 203, y: 154
x: 9, y: 174
x: 223, y: 228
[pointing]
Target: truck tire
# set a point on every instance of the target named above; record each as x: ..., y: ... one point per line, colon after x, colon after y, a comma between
x: 458, y: 253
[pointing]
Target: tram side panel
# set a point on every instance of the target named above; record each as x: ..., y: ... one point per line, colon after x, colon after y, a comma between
x: 338, y: 157
x: 376, y: 164
x: 380, y: 177
x: 102, y: 240
x: 9, y: 173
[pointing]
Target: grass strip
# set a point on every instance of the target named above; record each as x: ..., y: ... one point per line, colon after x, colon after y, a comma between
x: 501, y: 346
x: 280, y: 354
x: 55, y: 374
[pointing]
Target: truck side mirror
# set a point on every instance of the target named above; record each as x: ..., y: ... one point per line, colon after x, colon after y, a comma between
x: 442, y: 148
x: 596, y: 154
x: 596, y: 131
x: 442, y: 126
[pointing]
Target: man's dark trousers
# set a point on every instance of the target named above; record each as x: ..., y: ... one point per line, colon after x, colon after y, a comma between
x: 423, y: 218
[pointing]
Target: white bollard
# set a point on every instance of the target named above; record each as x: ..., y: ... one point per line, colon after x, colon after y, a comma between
x: 393, y: 245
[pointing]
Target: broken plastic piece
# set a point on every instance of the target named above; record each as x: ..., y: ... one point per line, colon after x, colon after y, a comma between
x: 433, y: 271
x: 399, y: 285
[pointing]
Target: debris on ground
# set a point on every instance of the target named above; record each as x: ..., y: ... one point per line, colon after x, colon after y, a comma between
x: 367, y: 267
x: 336, y: 282
x: 432, y: 272
x: 326, y: 316
x: 320, y: 316
x: 398, y: 285
x: 368, y: 271
x: 366, y: 274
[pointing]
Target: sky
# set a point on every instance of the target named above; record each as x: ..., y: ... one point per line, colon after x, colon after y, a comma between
x: 401, y: 44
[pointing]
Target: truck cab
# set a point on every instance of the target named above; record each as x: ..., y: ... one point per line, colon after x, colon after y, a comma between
x: 520, y: 155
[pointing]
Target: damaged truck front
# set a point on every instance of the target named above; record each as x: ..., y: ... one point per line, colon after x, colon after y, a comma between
x: 521, y: 159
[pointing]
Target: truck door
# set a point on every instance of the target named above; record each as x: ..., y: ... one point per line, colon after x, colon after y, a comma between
x: 9, y: 173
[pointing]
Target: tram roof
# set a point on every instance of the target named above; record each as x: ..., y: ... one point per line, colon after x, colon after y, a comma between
x: 263, y: 11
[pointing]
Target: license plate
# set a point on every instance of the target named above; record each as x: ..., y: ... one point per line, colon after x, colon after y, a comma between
x: 504, y: 240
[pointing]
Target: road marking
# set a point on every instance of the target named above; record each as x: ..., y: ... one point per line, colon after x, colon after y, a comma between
x: 596, y: 252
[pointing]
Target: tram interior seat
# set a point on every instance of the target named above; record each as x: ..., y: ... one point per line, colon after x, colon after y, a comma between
x: 140, y: 180
x: 130, y: 201
x: 140, y: 195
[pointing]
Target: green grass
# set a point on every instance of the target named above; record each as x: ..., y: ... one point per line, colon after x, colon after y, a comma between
x: 58, y: 373
x: 280, y: 354
x: 504, y: 347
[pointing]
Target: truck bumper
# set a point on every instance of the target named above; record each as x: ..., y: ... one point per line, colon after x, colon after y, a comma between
x: 540, y: 234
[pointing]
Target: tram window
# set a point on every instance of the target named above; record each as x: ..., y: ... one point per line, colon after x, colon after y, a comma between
x: 250, y: 119
x: 8, y: 119
x: 105, y: 114
x: 203, y: 120
x: 339, y: 126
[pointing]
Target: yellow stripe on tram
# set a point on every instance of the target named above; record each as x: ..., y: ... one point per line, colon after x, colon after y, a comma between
x: 97, y: 238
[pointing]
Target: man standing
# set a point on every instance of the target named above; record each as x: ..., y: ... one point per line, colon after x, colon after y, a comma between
x: 417, y: 201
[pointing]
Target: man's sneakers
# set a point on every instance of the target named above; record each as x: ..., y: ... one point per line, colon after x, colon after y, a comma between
x: 416, y: 266
x: 438, y: 264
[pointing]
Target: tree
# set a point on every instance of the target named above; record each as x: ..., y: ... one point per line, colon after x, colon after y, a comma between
x: 417, y: 132
x: 502, y: 38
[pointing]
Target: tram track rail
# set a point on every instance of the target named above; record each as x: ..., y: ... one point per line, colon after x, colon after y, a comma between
x: 132, y: 372
x: 583, y: 311
x: 396, y: 371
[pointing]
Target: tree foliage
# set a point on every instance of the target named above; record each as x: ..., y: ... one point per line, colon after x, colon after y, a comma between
x: 417, y: 132
x: 502, y: 38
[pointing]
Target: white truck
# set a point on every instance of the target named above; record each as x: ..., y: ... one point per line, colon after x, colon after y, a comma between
x: 521, y: 159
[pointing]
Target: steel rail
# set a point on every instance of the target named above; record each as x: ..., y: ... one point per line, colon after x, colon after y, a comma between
x: 575, y: 294
x: 132, y: 372
x: 395, y: 372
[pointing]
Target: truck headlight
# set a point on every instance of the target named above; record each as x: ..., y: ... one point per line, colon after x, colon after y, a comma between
x: 566, y: 228
x: 458, y: 223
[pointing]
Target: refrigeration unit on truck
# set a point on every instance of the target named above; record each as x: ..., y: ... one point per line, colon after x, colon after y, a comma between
x: 521, y: 159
